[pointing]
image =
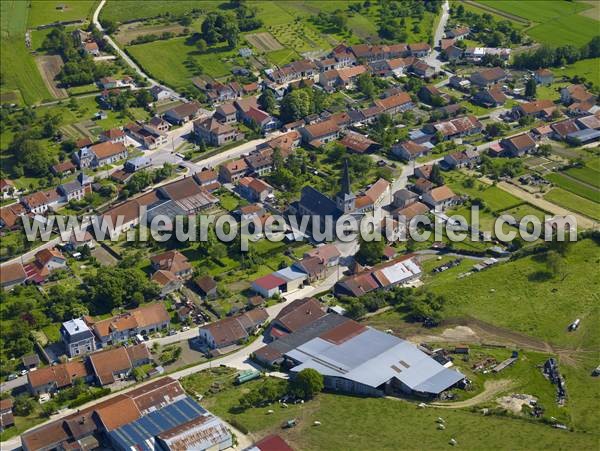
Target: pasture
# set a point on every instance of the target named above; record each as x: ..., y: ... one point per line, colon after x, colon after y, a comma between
x: 548, y: 16
x: 129, y: 10
x: 493, y: 197
x: 131, y: 31
x: 21, y: 79
x: 574, y: 203
x: 589, y: 68
x: 44, y: 12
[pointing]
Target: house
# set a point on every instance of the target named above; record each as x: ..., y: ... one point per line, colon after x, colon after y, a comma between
x: 254, y: 190
x: 207, y: 179
x: 357, y: 143
x: 422, y: 186
x: 487, y: 77
x: 422, y: 69
x: 255, y: 117
x: 12, y: 274
x: 314, y: 267
x: 91, y: 48
x: 143, y: 320
x: 372, y: 53
x: 490, y: 98
x: 419, y: 49
x: 41, y: 201
x: 151, y: 137
x: 582, y: 108
x: 576, y: 93
x: 591, y: 122
x: 430, y: 94
x: 395, y: 67
x: 563, y: 128
x: 181, y: 197
x: 207, y: 287
x: 519, y: 145
x: 226, y: 113
x: 384, y: 276
x: 455, y: 128
x: 77, y: 337
x: 423, y: 171
x: 251, y: 88
x: 183, y: 113
x: 295, y: 316
x: 65, y: 168
x: 458, y: 33
x: 394, y: 104
x: 344, y: 78
x: 440, y: 197
x: 321, y: 132
x: 286, y: 143
x: 410, y: 211
x: 543, y: 77
x: 328, y: 253
x: 294, y: 278
x: 476, y: 54
x: 260, y: 162
x: 46, y: 262
x: 379, y: 193
x: 250, y: 212
x: 233, y: 330
x: 108, y: 153
x: 269, y: 285
x: 232, y: 171
x: 453, y: 53
x: 294, y: 71
x: 172, y: 261
x: 167, y: 281
x: 137, y: 163
x: 215, y: 133
x: 462, y: 159
x: 77, y: 189
x: 460, y: 83
x: 53, y: 378
x: 585, y: 136
x: 403, y: 198
x: 6, y: 414
x: 113, y: 135
x: 159, y: 124
x: 116, y: 364
x: 10, y: 216
x: 538, y: 108
x: 219, y: 92
x: 159, y: 93
x: 77, y: 240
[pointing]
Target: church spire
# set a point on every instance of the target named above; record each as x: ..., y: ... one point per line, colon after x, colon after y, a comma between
x: 346, y: 185
x: 345, y: 199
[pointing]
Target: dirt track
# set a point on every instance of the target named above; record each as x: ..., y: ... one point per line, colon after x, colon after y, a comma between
x: 490, y: 390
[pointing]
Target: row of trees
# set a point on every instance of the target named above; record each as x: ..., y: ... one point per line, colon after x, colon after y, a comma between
x: 546, y: 56
x: 487, y: 30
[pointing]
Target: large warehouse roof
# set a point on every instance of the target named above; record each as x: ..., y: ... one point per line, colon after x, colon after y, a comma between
x: 372, y: 358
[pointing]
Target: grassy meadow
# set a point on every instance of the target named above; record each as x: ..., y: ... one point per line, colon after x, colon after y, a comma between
x: 574, y: 202
x: 44, y: 12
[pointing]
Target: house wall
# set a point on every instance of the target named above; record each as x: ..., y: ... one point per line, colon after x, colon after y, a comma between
x: 80, y: 347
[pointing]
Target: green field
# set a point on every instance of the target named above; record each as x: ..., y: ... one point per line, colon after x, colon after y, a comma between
x: 44, y: 12
x: 523, y: 210
x: 494, y: 198
x: 549, y: 16
x: 526, y: 301
x: 20, y: 75
x: 128, y: 10
x: 586, y: 175
x: 355, y: 423
x: 165, y: 61
x: 574, y: 203
x: 575, y: 186
x: 590, y: 69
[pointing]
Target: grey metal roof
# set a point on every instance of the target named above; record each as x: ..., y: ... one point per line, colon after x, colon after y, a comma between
x: 318, y: 203
x: 290, y: 274
x: 373, y: 358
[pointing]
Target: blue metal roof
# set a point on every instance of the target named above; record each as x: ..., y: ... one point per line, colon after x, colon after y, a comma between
x: 141, y: 433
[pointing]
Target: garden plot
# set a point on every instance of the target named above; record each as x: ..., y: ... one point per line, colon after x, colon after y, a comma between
x: 298, y: 36
x: 264, y: 42
x: 49, y: 67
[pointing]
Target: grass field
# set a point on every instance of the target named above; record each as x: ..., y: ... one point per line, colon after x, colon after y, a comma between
x: 590, y: 69
x: 165, y: 61
x: 575, y: 186
x: 44, y: 12
x: 586, y: 174
x: 528, y: 301
x: 494, y: 198
x: 127, y: 10
x: 524, y: 210
x: 351, y: 421
x: 549, y: 16
x: 20, y: 74
x: 574, y: 203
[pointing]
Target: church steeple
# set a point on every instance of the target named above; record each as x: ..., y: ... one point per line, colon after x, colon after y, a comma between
x: 345, y: 199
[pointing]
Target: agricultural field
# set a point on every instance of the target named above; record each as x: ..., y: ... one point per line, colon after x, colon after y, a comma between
x: 574, y: 203
x: 575, y: 186
x: 50, y: 66
x: 586, y: 174
x: 589, y: 68
x: 129, y: 10
x: 21, y: 80
x: 548, y: 16
x: 44, y: 12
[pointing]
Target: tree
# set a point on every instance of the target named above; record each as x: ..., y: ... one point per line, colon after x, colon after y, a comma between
x: 365, y: 84
x: 530, y: 88
x: 201, y: 45
x: 370, y: 252
x: 31, y: 154
x: 267, y: 101
x: 308, y: 383
x: 436, y: 176
x: 23, y: 405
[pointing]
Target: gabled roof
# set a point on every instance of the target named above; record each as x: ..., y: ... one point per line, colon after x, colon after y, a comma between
x: 394, y: 101
x: 269, y: 282
x: 441, y: 193
x: 536, y: 106
x: 106, y: 363
x: 522, y: 141
x: 108, y: 149
x: 299, y: 313
x: 377, y: 189
x: 173, y: 261
x: 563, y: 128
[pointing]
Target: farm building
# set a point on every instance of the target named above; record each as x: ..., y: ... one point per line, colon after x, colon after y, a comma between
x: 361, y: 360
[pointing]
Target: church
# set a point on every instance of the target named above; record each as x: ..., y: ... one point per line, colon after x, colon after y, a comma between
x: 315, y: 203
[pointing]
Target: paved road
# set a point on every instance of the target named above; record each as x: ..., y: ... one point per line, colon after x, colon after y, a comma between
x: 11, y: 385
x: 126, y: 57
x: 433, y: 58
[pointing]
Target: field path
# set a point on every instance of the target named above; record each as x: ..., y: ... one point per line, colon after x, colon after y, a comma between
x: 490, y: 390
